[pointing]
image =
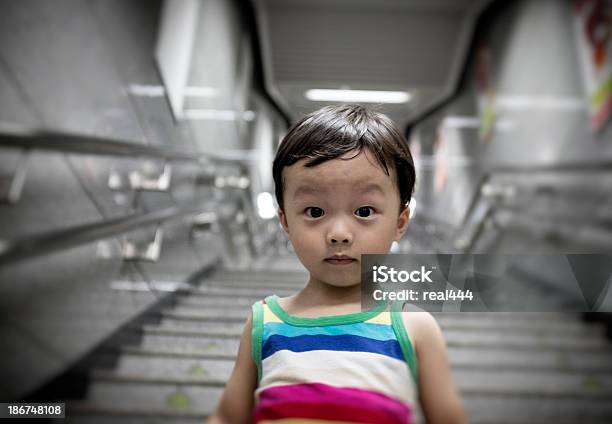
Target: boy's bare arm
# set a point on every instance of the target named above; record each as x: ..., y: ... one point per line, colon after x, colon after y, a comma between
x: 236, y: 404
x: 439, y: 398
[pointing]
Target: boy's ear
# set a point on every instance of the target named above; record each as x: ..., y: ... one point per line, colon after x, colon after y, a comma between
x: 402, y: 223
x: 283, y: 220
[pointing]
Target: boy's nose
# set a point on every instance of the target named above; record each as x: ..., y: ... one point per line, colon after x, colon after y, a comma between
x: 339, y: 236
x: 346, y: 240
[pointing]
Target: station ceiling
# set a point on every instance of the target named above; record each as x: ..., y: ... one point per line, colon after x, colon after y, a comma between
x: 416, y: 46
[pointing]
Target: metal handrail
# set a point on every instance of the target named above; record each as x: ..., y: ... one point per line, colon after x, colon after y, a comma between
x: 47, y: 242
x: 51, y: 241
x: 563, y: 167
x: 89, y: 144
x: 489, y: 173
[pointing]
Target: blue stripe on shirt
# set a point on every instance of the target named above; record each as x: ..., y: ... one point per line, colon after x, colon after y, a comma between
x: 346, y: 343
x: 371, y: 331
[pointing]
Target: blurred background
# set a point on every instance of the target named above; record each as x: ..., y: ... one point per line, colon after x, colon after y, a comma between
x: 136, y: 195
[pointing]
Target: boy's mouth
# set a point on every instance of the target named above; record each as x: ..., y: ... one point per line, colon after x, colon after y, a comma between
x: 340, y: 260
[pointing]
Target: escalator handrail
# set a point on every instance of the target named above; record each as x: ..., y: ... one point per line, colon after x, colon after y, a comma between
x: 600, y: 166
x: 67, y: 142
x: 55, y: 240
x: 64, y: 142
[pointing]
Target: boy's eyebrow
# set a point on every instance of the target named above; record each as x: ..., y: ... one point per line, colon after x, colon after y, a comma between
x: 365, y: 188
x: 371, y: 187
x: 307, y: 190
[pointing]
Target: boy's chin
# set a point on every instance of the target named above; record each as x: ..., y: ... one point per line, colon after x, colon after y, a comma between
x: 343, y: 283
x: 340, y: 281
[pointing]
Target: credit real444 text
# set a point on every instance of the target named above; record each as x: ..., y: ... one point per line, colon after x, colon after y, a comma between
x: 384, y: 274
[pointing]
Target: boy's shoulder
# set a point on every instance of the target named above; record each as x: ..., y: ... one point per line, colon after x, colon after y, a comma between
x: 420, y: 325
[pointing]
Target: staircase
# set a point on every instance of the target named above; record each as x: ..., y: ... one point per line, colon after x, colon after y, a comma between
x: 510, y: 368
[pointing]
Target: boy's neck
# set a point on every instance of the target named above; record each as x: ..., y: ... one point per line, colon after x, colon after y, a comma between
x: 320, y: 294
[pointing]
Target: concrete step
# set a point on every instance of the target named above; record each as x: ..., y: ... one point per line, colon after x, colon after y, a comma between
x: 497, y: 405
x: 290, y: 277
x: 470, y: 381
x: 459, y: 357
x: 191, y: 400
x: 492, y: 324
x: 483, y: 409
x: 237, y: 302
x: 261, y: 274
x: 534, y: 360
x: 524, y: 340
x: 268, y: 284
x: 280, y: 263
x: 224, y: 330
x: 186, y: 325
x: 157, y: 378
x: 213, y: 344
x: 502, y: 317
x: 158, y: 367
x: 531, y: 383
x: 199, y: 343
x: 228, y: 316
x: 188, y: 320
x: 499, y: 317
x: 473, y: 379
x: 529, y: 340
x: 191, y: 308
x: 170, y: 353
x: 89, y: 414
x: 231, y: 292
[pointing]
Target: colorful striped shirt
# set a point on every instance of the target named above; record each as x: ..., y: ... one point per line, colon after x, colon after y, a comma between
x: 352, y: 368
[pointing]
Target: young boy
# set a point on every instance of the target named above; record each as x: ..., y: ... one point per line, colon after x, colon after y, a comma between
x: 344, y: 177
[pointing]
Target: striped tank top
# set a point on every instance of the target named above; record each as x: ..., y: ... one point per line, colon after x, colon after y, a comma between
x: 352, y: 368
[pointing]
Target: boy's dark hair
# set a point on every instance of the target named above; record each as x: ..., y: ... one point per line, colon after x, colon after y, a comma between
x: 333, y: 131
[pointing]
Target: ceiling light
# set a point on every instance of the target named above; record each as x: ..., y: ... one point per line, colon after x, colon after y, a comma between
x: 520, y: 103
x: 361, y: 96
x: 461, y: 122
x: 218, y: 115
x: 160, y: 91
x: 146, y: 90
x: 200, y: 91
x: 412, y: 205
x: 265, y: 205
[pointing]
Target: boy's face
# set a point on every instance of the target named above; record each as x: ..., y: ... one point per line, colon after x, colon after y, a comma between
x: 340, y: 207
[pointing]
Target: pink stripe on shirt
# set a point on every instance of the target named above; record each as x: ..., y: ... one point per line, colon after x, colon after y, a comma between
x: 322, y: 401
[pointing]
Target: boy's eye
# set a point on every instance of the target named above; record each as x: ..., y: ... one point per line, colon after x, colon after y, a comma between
x: 365, y: 211
x: 315, y: 212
